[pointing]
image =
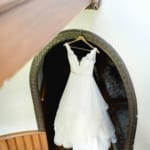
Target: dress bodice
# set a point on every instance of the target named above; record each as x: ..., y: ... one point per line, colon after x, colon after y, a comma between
x: 85, y: 65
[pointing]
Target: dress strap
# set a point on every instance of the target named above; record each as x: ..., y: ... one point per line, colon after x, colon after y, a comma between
x: 92, y: 54
x: 69, y: 50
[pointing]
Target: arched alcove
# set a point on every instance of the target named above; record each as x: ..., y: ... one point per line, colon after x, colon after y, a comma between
x: 51, y: 66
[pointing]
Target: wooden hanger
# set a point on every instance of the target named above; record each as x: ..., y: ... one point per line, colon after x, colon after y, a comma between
x: 82, y: 38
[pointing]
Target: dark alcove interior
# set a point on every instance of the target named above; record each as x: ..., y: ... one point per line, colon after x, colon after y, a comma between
x: 55, y: 70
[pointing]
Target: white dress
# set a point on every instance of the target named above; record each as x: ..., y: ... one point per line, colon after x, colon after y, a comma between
x: 82, y: 121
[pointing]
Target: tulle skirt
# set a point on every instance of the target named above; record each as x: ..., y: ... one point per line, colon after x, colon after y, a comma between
x: 82, y: 120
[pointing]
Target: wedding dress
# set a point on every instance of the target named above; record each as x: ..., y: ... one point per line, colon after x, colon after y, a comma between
x: 82, y: 121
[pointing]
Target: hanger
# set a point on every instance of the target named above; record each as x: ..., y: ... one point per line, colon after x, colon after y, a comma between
x: 82, y: 38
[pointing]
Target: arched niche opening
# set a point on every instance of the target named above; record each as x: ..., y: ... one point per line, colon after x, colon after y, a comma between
x: 49, y: 73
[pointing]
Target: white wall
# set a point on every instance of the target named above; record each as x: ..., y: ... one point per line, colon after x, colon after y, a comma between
x: 16, y: 109
x: 122, y: 23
